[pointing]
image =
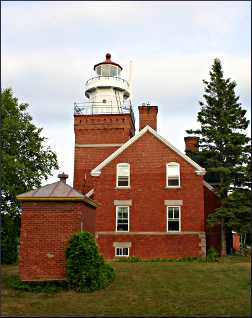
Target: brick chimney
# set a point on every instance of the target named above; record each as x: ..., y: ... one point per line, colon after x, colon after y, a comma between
x: 191, y: 143
x: 147, y: 116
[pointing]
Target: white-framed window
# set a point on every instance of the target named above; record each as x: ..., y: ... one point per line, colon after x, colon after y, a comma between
x: 172, y: 175
x: 122, y: 251
x: 123, y: 175
x: 173, y: 218
x: 122, y: 219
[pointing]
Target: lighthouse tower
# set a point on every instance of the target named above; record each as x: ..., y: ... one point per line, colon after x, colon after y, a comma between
x: 107, y: 91
x: 102, y: 123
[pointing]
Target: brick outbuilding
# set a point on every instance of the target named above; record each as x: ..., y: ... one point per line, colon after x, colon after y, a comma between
x: 50, y: 215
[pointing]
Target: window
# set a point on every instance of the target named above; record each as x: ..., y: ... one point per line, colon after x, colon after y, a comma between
x: 122, y: 219
x: 122, y: 251
x: 113, y: 71
x: 173, y: 175
x: 105, y: 70
x: 98, y: 70
x: 173, y: 219
x: 123, y: 175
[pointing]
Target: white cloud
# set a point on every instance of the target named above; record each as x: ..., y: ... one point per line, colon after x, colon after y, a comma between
x: 49, y: 49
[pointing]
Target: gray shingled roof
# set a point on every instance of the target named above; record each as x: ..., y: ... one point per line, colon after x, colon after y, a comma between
x: 55, y: 191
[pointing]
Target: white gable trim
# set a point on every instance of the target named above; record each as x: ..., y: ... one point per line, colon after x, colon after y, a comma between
x: 97, y: 171
x: 209, y: 187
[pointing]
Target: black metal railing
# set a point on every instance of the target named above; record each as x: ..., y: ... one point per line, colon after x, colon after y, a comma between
x: 96, y: 108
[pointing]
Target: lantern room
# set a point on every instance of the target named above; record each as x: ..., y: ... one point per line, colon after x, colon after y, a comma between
x: 108, y: 68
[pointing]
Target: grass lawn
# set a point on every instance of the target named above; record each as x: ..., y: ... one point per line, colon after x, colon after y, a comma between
x: 147, y: 289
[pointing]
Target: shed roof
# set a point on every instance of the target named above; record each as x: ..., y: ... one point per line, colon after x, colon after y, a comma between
x: 57, y: 191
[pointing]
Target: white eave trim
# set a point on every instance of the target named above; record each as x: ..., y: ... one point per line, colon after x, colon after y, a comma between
x: 209, y: 187
x: 89, y: 193
x: 201, y: 172
x: 97, y: 171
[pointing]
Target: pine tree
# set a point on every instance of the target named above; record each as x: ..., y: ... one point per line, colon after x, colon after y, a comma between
x: 223, y: 144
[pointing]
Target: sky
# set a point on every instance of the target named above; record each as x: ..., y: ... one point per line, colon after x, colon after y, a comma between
x: 49, y: 50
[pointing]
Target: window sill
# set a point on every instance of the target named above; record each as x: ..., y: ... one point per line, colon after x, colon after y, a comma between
x: 177, y: 187
x: 118, y: 188
x: 122, y: 231
x: 173, y: 232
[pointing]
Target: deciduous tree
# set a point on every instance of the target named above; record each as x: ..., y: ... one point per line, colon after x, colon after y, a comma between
x: 25, y: 160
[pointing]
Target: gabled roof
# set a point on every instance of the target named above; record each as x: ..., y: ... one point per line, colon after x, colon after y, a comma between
x: 57, y: 191
x: 97, y: 171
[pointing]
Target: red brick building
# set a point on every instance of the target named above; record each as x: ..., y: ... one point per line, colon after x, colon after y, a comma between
x: 152, y: 199
x: 50, y: 215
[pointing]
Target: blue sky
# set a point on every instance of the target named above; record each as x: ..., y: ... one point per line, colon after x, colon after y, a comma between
x: 49, y: 49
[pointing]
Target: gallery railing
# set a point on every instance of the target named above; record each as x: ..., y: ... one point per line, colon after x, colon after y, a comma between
x: 95, y: 108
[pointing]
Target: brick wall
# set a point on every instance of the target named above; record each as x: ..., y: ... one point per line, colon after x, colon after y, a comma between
x: 97, y: 129
x: 213, y: 234
x: 147, y: 158
x: 45, y: 230
x: 153, y: 246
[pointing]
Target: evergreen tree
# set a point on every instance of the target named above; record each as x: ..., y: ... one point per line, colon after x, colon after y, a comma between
x: 236, y: 210
x: 25, y: 162
x: 223, y: 144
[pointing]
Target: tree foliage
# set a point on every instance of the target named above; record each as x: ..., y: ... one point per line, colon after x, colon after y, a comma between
x: 224, y: 150
x: 223, y: 144
x: 86, y: 269
x: 25, y: 161
x: 235, y: 210
x: 9, y: 238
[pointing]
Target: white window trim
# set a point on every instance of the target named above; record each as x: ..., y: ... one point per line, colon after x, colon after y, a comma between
x: 123, y: 202
x: 172, y: 164
x: 122, y: 206
x: 117, y: 170
x: 122, y: 247
x: 167, y: 209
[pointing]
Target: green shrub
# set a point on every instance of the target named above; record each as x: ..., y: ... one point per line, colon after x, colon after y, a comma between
x: 212, y: 255
x: 131, y: 259
x: 187, y: 259
x: 36, y: 287
x: 161, y: 260
x: 86, y: 269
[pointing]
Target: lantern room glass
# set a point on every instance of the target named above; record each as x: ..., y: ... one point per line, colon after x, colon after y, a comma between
x: 108, y: 70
